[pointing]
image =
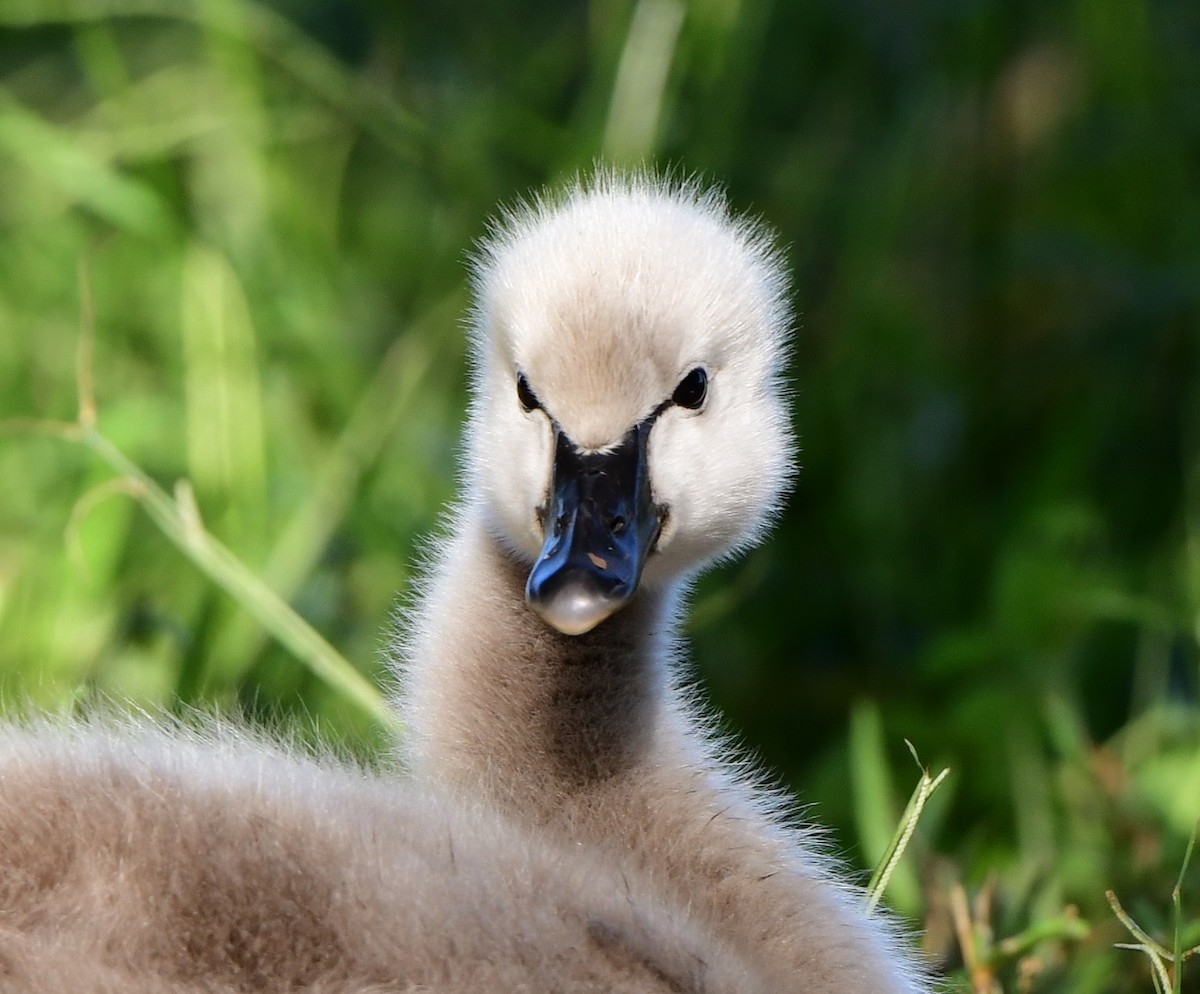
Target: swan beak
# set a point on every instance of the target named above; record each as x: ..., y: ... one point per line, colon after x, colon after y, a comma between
x: 600, y: 524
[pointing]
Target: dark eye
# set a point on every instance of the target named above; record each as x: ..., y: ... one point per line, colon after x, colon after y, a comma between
x: 692, y: 390
x: 527, y: 397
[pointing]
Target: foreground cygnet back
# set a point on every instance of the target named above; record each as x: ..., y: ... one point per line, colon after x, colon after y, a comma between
x: 628, y: 427
x: 567, y: 822
x: 145, y: 860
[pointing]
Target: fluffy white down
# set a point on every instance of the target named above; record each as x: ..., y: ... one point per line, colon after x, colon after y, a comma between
x: 605, y: 299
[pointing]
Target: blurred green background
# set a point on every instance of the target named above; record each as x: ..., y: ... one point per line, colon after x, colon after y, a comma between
x: 993, y: 215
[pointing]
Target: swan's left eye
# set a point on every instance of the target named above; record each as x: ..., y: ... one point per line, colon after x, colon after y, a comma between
x: 526, y: 396
x: 692, y: 390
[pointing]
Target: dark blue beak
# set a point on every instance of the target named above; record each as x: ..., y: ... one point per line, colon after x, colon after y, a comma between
x: 600, y: 525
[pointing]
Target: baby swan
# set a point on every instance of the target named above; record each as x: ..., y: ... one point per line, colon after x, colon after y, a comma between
x: 629, y: 427
x: 570, y: 823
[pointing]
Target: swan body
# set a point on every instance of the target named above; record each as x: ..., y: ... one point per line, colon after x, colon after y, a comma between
x: 567, y: 820
x: 140, y: 860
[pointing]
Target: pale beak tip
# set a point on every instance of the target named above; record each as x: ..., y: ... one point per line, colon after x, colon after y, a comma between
x: 574, y: 609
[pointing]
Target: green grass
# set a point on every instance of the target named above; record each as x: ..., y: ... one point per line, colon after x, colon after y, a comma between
x: 258, y: 214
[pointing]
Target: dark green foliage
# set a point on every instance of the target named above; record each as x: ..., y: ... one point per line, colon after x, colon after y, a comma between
x: 993, y: 214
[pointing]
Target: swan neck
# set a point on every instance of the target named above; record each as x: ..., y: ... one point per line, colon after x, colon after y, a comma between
x: 499, y: 700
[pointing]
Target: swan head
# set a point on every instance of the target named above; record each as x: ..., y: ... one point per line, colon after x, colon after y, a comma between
x: 629, y: 422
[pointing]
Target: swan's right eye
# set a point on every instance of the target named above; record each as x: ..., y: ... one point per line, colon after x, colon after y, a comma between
x: 525, y: 396
x: 692, y: 390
